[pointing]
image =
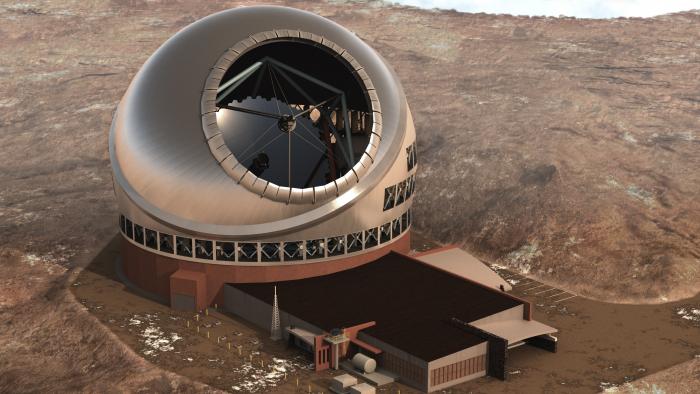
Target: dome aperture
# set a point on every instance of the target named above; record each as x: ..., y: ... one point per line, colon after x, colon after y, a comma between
x: 292, y: 113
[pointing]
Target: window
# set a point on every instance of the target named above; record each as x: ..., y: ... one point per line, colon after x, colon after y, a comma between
x: 413, y: 186
x: 371, y: 238
x: 385, y: 232
x: 122, y: 223
x: 410, y: 184
x: 389, y: 197
x: 415, y: 154
x: 400, y: 192
x: 248, y: 252
x: 354, y: 242
x: 336, y: 246
x: 183, y: 246
x: 410, y: 156
x: 410, y: 216
x: 404, y: 221
x: 151, y: 239
x: 225, y: 251
x: 314, y: 249
x: 203, y: 249
x: 293, y: 251
x: 395, y: 227
x: 138, y: 234
x: 270, y: 252
x: 166, y: 243
x: 129, y: 229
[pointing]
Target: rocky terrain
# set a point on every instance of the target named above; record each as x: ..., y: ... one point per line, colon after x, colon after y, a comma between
x: 566, y: 149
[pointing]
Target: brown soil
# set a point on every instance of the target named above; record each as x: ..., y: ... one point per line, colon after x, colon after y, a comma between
x: 563, y: 147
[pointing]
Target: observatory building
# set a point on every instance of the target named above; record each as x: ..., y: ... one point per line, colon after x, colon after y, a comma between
x: 266, y: 149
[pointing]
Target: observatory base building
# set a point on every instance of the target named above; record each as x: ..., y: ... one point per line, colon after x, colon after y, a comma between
x: 428, y: 327
x: 265, y: 151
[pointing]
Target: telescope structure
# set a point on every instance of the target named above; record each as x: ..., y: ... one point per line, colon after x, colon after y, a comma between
x: 264, y: 159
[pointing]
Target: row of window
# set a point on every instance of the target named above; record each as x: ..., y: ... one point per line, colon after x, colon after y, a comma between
x: 265, y: 251
x: 395, y: 195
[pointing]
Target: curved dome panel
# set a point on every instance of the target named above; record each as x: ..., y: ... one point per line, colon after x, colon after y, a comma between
x: 180, y: 156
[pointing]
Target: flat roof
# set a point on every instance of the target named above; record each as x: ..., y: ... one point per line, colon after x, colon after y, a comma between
x: 459, y: 262
x: 411, y: 302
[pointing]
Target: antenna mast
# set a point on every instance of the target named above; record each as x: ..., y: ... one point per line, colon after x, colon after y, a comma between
x: 275, y: 329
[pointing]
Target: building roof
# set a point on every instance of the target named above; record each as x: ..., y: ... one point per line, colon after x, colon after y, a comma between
x: 459, y: 262
x: 410, y: 301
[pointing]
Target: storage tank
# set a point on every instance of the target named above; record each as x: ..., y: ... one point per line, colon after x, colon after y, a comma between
x: 364, y: 363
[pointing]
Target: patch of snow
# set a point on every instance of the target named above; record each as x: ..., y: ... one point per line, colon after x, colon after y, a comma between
x: 629, y: 137
x: 154, y: 338
x: 691, y: 314
x: 96, y: 107
x: 523, y: 257
x: 31, y: 259
x: 640, y: 194
x: 613, y: 182
x: 256, y: 378
x: 8, y: 102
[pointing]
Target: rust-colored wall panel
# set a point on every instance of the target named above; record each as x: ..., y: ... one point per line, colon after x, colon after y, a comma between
x: 457, y: 370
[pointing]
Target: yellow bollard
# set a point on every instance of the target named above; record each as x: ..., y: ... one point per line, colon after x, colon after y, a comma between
x: 206, y: 311
x: 216, y: 306
x: 197, y: 329
x: 297, y: 382
x: 261, y: 364
x: 196, y: 316
x: 239, y: 350
x: 188, y: 324
x: 309, y: 388
x: 217, y: 339
x: 207, y: 334
x: 229, y: 346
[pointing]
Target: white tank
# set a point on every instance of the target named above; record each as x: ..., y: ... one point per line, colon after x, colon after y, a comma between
x: 364, y: 363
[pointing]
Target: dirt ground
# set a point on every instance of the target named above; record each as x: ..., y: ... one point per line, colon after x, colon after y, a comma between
x: 602, y: 346
x: 564, y: 149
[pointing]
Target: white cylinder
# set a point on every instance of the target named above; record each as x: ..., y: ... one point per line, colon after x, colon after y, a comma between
x: 364, y: 363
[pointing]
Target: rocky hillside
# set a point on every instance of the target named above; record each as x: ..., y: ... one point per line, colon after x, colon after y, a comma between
x: 566, y: 148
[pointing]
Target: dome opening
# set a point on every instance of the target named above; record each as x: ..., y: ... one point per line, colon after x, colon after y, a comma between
x: 293, y: 112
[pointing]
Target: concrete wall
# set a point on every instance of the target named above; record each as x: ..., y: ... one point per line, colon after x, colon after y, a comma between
x: 458, y: 366
x: 400, y: 363
x: 515, y: 313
